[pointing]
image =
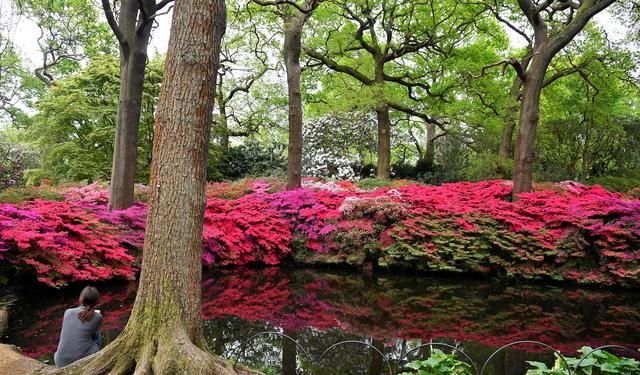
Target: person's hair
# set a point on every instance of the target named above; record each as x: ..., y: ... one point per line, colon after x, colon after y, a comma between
x: 88, y: 299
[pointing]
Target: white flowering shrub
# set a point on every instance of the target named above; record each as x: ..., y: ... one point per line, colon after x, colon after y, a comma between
x: 335, y: 145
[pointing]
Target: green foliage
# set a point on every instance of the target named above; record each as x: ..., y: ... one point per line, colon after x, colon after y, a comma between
x: 70, y: 31
x: 613, y: 183
x: 376, y: 182
x: 253, y: 160
x: 439, y: 363
x: 599, y: 362
x: 15, y: 158
x: 75, y: 126
x: 488, y: 166
x: 22, y: 194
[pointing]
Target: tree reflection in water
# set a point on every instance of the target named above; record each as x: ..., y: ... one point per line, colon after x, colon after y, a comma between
x: 392, y: 313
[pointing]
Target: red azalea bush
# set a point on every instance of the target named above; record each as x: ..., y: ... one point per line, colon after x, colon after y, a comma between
x: 61, y: 242
x: 571, y: 232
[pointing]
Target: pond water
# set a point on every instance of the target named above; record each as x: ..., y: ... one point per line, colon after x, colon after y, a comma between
x: 393, y: 313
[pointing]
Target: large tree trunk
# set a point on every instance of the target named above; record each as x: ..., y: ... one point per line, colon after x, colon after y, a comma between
x: 384, y: 122
x: 524, y: 154
x: 292, y: 49
x: 133, y: 60
x: 164, y: 332
x: 384, y: 141
x: 510, y: 118
x: 430, y: 149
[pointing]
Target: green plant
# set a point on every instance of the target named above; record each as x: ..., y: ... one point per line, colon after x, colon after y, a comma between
x: 594, y: 363
x: 488, y: 166
x: 374, y: 183
x: 621, y: 184
x: 439, y: 363
x: 29, y: 193
x: 252, y: 159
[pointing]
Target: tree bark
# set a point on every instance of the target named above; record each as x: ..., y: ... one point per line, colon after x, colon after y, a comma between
x: 133, y: 60
x: 224, y: 127
x: 164, y: 332
x: 375, y: 366
x: 292, y: 49
x: 545, y: 48
x: 524, y: 153
x: 430, y: 149
x: 289, y: 353
x: 384, y: 121
x: 506, y: 140
x: 384, y: 141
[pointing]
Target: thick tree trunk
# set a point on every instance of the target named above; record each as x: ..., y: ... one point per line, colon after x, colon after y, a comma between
x: 430, y: 149
x: 292, y: 49
x: 133, y: 60
x: 164, y: 332
x: 384, y: 141
x: 524, y: 155
x: 510, y: 118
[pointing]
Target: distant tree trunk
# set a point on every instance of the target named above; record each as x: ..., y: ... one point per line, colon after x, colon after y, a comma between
x: 164, y: 332
x: 384, y: 123
x: 292, y: 48
x: 430, y: 149
x: 384, y: 141
x: 224, y: 127
x: 133, y: 60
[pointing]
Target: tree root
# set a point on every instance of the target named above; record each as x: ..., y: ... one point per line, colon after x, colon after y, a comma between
x: 169, y: 355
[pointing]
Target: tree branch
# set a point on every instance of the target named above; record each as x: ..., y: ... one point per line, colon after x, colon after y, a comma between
x: 111, y: 20
x: 333, y: 65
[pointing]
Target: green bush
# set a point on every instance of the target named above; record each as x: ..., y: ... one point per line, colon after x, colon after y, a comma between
x: 621, y: 184
x: 252, y: 160
x: 439, y: 363
x: 374, y: 183
x: 488, y: 166
x: 29, y: 193
x: 403, y: 170
x: 599, y: 362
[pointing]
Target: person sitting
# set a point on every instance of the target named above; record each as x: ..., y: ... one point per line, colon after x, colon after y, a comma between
x: 80, y: 336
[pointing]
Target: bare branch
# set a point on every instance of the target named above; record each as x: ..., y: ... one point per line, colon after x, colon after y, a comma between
x: 108, y: 12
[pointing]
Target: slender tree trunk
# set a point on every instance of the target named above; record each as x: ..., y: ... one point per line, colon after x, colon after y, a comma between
x: 524, y: 155
x: 292, y: 49
x: 164, y: 332
x: 133, y: 60
x: 224, y: 127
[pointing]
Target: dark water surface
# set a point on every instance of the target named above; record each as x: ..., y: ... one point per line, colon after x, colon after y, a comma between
x: 394, y: 313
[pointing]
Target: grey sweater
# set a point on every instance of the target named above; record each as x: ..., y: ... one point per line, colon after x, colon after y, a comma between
x: 77, y: 339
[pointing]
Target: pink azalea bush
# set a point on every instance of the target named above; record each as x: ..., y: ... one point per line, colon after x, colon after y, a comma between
x: 567, y: 232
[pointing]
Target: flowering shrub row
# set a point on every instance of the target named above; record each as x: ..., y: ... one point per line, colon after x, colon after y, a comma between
x: 571, y: 232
